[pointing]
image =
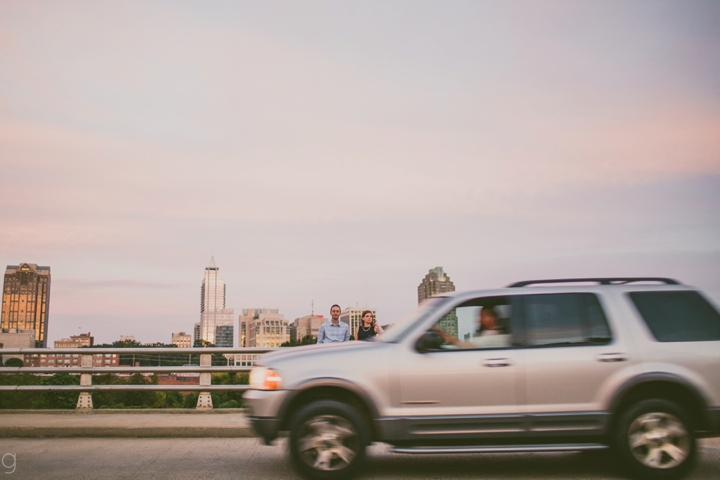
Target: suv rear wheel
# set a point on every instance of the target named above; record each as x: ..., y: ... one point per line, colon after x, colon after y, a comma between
x: 655, y: 440
x: 328, y: 440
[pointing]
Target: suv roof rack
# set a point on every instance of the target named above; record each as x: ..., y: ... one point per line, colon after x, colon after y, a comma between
x: 599, y: 280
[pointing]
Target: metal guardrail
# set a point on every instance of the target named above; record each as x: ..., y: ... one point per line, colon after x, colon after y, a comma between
x: 86, y: 370
x: 185, y: 351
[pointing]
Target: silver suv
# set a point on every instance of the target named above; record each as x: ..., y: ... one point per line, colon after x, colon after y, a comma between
x: 576, y: 364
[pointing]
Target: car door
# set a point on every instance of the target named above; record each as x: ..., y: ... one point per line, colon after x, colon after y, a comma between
x: 461, y: 390
x: 570, y: 353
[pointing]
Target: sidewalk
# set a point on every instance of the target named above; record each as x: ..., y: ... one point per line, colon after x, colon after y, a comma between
x: 166, y: 423
x: 125, y: 423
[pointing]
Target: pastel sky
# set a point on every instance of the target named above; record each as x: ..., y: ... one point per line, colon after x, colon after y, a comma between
x: 336, y: 151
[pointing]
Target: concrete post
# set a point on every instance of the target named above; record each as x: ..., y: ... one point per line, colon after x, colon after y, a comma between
x: 85, y: 399
x: 204, y: 399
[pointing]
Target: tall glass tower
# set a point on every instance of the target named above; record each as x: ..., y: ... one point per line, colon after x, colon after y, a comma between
x: 25, y: 301
x: 216, y: 322
x: 435, y: 282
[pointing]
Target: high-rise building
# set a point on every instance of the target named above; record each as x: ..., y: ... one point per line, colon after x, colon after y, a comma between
x: 262, y: 327
x: 26, y: 300
x: 353, y: 317
x: 216, y: 324
x: 306, y: 326
x: 434, y: 283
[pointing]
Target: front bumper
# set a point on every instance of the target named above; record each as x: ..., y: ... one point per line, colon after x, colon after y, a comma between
x: 265, y: 411
x: 266, y: 428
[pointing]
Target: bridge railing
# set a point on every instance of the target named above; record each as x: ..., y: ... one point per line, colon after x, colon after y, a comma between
x: 86, y: 368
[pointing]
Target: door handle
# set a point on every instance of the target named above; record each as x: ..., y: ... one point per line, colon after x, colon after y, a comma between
x: 496, y: 362
x: 611, y: 357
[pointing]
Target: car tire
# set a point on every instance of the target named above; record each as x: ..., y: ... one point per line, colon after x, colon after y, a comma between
x: 328, y: 440
x: 655, y: 440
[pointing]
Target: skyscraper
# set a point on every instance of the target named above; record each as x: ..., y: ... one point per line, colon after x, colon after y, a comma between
x: 435, y: 282
x: 216, y: 324
x: 26, y: 300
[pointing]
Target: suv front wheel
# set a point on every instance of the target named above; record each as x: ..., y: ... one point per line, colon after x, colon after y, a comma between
x: 655, y: 440
x: 328, y: 440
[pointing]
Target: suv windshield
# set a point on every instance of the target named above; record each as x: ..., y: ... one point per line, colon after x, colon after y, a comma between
x: 398, y: 329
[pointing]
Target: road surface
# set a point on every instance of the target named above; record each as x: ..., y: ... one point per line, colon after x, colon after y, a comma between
x: 246, y: 458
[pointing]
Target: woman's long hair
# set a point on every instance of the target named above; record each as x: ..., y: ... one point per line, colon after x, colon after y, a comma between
x: 365, y: 312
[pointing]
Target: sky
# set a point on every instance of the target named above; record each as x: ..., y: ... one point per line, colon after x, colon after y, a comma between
x: 333, y: 152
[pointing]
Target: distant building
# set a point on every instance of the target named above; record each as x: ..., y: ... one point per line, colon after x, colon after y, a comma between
x: 262, y: 327
x: 434, y: 283
x: 353, y: 316
x: 127, y: 338
x: 66, y: 343
x: 307, y: 325
x: 179, y: 379
x: 181, y: 340
x: 242, y: 359
x: 26, y: 300
x: 216, y: 324
x: 69, y: 360
x: 11, y: 338
x: 84, y: 339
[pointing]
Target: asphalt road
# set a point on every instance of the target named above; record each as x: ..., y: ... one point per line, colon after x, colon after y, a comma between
x: 246, y: 458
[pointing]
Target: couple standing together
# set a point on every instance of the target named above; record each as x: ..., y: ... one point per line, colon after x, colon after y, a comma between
x: 336, y: 331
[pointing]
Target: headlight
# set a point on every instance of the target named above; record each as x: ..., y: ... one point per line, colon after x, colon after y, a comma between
x: 264, y: 378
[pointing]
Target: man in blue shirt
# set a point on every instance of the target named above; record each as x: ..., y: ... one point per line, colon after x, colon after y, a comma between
x: 334, y: 330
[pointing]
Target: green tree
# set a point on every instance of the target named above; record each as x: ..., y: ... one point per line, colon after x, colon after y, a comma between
x: 13, y: 362
x: 20, y: 399
x: 306, y: 340
x: 190, y: 400
x: 108, y: 399
x: 139, y: 398
x: 61, y: 399
x: 174, y: 399
x: 229, y: 378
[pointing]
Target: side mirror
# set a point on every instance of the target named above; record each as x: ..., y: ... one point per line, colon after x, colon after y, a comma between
x: 428, y: 342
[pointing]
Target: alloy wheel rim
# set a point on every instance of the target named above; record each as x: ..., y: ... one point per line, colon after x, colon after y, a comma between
x: 659, y: 440
x: 327, y: 442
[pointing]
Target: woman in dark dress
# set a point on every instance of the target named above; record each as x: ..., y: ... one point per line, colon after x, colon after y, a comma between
x: 368, y: 327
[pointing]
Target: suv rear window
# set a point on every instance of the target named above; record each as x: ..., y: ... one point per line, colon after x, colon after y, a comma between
x: 560, y: 319
x: 678, y: 316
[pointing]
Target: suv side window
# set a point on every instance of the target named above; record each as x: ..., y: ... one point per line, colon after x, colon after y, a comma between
x: 481, y: 323
x: 682, y: 316
x: 564, y: 319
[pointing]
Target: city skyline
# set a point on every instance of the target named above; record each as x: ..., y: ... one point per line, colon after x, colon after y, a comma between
x: 333, y: 152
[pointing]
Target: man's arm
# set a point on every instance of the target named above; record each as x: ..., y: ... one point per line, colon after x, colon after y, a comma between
x: 347, y: 333
x: 321, y: 334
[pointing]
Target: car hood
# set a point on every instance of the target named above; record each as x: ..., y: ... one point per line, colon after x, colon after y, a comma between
x: 317, y: 351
